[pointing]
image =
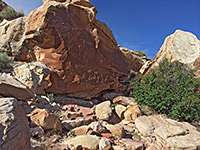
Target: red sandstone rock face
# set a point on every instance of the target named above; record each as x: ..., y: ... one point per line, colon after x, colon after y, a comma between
x: 80, y: 50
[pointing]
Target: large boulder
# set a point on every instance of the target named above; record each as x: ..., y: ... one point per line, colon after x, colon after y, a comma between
x: 14, y: 128
x: 10, y: 87
x: 88, y: 141
x: 81, y: 50
x: 182, y: 46
x: 134, y: 60
x: 45, y: 119
x: 33, y: 76
x: 167, y: 133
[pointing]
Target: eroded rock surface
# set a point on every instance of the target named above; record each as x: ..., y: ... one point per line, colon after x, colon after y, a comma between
x: 81, y: 50
x: 12, y: 88
x: 182, y: 46
x: 133, y: 59
x: 14, y: 128
x: 33, y: 76
x: 168, y: 134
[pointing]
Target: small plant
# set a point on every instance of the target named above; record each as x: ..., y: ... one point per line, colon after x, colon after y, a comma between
x: 50, y: 96
x: 71, y: 133
x: 141, y: 53
x: 57, y: 113
x: 4, y: 60
x: 10, y: 14
x: 171, y: 89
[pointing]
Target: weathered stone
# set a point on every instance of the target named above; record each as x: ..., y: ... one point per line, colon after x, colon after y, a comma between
x: 123, y: 100
x: 88, y: 141
x: 117, y: 148
x: 70, y: 124
x: 14, y: 128
x: 33, y: 76
x: 9, y: 87
x: 81, y: 50
x: 115, y: 130
x: 132, y: 112
x: 110, y: 96
x: 168, y: 134
x: 104, y: 144
x: 37, y: 132
x: 103, y: 110
x: 133, y: 59
x: 130, y: 144
x: 145, y: 67
x: 120, y: 109
x: 151, y: 148
x: 147, y: 110
x: 46, y: 120
x: 98, y: 127
x: 182, y: 46
x: 76, y: 101
x: 82, y: 130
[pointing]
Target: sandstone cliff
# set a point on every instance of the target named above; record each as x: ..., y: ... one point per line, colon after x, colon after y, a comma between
x: 81, y: 51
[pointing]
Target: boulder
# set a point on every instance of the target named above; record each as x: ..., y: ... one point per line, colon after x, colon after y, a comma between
x: 116, y: 130
x: 130, y: 144
x: 182, y: 46
x: 151, y: 148
x: 88, y: 141
x: 98, y: 127
x: 123, y: 100
x: 10, y: 87
x: 167, y: 133
x: 70, y: 124
x: 132, y: 112
x: 81, y: 50
x: 104, y: 144
x: 37, y: 132
x: 134, y: 61
x: 120, y: 109
x: 82, y: 130
x: 45, y: 119
x: 103, y: 110
x: 14, y: 128
x: 33, y: 76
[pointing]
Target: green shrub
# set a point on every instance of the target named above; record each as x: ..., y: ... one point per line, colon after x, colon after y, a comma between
x: 170, y: 89
x: 141, y: 53
x: 4, y: 60
x: 50, y: 96
x: 10, y: 14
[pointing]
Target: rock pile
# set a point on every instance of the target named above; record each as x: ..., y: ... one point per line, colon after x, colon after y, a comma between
x: 66, y: 87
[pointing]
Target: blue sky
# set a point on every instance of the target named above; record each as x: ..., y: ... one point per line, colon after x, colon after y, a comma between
x: 139, y: 24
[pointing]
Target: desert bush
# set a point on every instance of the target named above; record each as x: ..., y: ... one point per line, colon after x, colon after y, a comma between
x: 10, y: 14
x: 141, y: 53
x: 50, y: 96
x: 171, y: 89
x: 4, y: 60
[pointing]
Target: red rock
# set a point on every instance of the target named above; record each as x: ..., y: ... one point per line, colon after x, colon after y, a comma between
x: 106, y: 135
x: 46, y: 120
x: 81, y: 51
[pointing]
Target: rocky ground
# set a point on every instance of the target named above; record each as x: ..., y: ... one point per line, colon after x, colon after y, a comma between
x: 67, y: 85
x: 58, y: 122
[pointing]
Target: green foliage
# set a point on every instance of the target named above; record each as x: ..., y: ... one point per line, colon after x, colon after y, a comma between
x: 10, y: 14
x: 4, y: 60
x: 57, y: 113
x: 141, y: 53
x: 171, y: 89
x: 71, y: 133
x: 50, y: 96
